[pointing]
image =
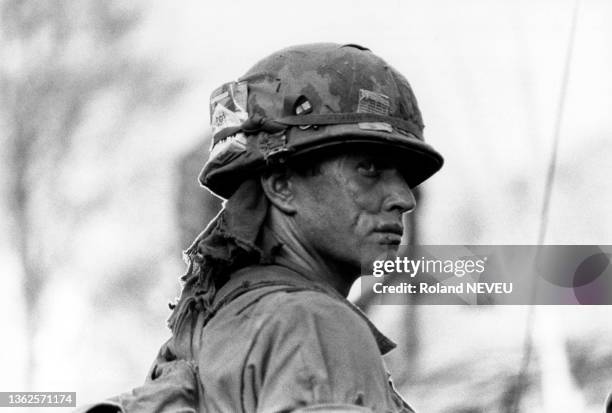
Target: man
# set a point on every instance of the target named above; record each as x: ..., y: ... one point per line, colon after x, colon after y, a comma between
x: 315, y: 150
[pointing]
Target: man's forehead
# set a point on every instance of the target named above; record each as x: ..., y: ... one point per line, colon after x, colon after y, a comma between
x: 352, y: 153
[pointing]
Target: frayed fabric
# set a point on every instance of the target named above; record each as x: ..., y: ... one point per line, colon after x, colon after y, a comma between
x: 227, y: 244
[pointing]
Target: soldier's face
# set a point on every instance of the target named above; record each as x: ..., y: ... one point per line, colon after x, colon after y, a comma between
x: 351, y: 211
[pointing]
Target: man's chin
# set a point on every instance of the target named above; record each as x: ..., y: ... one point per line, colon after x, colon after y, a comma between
x: 380, y: 252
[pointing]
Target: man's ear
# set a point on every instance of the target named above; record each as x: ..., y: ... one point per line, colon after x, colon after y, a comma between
x: 278, y: 186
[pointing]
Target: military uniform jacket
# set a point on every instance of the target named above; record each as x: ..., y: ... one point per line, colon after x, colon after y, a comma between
x: 276, y: 342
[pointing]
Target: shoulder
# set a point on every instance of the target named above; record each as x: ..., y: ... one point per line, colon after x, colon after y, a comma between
x: 283, y: 309
x: 286, y: 344
x: 304, y: 301
x: 302, y: 308
x: 312, y: 319
x: 272, y: 302
x: 270, y: 291
x: 315, y: 348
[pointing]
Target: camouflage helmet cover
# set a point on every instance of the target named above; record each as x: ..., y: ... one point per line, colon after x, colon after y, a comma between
x: 309, y: 97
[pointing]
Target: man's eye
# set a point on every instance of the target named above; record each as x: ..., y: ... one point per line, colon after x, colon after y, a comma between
x: 369, y: 168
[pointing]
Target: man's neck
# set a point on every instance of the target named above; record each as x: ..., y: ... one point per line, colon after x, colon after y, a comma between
x: 295, y: 254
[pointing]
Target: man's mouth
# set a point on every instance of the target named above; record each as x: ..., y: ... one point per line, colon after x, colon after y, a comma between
x: 390, y: 228
x: 391, y: 233
x: 391, y: 239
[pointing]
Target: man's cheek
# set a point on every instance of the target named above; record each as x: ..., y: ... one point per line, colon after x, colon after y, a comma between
x: 363, y: 224
x: 363, y: 197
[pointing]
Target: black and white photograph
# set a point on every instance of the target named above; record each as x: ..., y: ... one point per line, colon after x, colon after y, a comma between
x: 323, y: 206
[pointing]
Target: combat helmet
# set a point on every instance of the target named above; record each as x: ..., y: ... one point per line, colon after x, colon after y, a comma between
x: 311, y: 97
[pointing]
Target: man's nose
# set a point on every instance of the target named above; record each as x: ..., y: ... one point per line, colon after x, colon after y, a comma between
x: 400, y: 197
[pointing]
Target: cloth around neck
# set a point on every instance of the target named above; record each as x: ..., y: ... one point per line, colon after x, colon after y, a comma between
x: 227, y: 244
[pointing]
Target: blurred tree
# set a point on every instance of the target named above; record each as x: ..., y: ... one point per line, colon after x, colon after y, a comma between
x: 57, y: 57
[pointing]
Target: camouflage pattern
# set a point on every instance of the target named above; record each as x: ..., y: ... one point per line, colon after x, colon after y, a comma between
x: 309, y: 97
